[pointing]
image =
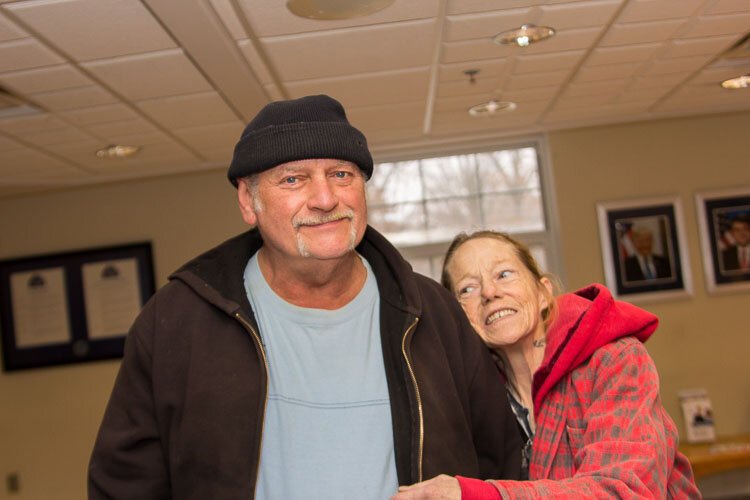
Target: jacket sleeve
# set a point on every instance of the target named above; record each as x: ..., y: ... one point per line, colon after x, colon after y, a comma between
x: 623, y: 445
x: 127, y: 461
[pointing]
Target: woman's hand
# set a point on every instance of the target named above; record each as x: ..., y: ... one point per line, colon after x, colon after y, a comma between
x: 441, y: 487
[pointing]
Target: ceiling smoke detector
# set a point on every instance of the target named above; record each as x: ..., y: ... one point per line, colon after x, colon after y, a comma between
x: 335, y: 9
x: 492, y: 107
x: 524, y: 36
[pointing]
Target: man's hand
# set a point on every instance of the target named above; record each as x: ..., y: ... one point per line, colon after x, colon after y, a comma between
x: 441, y: 487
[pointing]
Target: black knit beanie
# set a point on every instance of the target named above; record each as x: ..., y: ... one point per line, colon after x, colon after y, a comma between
x: 299, y: 129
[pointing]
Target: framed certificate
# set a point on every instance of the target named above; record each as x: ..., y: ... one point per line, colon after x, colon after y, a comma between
x: 71, y: 307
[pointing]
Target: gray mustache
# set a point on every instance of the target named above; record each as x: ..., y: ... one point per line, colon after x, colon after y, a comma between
x: 322, y: 219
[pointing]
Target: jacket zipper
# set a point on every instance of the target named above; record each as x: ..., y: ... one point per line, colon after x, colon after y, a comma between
x: 419, y: 399
x: 256, y: 336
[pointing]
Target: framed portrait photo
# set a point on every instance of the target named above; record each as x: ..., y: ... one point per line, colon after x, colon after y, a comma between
x: 644, y: 250
x: 724, y: 218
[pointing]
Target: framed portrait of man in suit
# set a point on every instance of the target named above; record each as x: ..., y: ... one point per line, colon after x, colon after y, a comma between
x: 724, y: 218
x: 643, y: 249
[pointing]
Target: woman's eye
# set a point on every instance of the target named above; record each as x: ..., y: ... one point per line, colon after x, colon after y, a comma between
x: 505, y: 274
x: 467, y: 290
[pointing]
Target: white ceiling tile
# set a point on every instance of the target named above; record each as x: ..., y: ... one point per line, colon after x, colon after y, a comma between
x: 367, y: 89
x: 24, y: 54
x: 532, y: 80
x: 606, y: 72
x: 31, y: 123
x: 645, y: 32
x: 100, y: 114
x: 7, y: 143
x: 9, y: 30
x: 45, y: 79
x: 273, y: 92
x: 660, y: 81
x: 381, y: 117
x: 267, y: 19
x: 610, y: 87
x: 92, y: 29
x: 256, y: 63
x: 473, y: 50
x: 716, y: 25
x: 228, y: 17
x: 120, y: 127
x: 627, y: 53
x: 468, y: 6
x: 484, y: 25
x: 30, y: 164
x: 651, y: 10
x: 57, y: 136
x: 188, y: 111
x: 397, y: 46
x: 220, y: 136
x: 649, y: 94
x: 714, y: 76
x: 146, y: 76
x: 525, y: 95
x: 584, y: 101
x: 683, y: 65
x: 728, y: 7
x: 79, y: 97
x: 547, y: 62
x: 697, y: 46
x: 579, y: 14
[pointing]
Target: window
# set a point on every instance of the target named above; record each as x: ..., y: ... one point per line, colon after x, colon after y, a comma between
x: 421, y: 204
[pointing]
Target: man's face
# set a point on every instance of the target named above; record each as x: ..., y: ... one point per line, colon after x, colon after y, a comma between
x: 643, y: 243
x: 741, y: 232
x: 309, y: 208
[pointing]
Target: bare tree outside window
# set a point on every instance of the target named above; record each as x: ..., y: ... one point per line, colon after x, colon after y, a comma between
x: 422, y: 204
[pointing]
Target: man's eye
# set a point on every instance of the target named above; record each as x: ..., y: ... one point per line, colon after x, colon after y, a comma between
x: 290, y: 180
x: 341, y: 174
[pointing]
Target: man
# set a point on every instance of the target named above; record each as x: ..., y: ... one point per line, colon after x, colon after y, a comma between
x: 304, y: 358
x: 737, y: 256
x: 644, y: 264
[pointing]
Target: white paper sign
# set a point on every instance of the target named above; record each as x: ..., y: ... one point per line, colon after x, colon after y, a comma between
x: 112, y: 296
x: 40, y: 308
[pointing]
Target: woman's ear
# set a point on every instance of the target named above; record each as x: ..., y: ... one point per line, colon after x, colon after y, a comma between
x: 246, y: 202
x: 546, y: 289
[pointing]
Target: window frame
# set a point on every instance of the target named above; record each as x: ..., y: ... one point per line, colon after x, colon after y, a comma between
x: 548, y: 238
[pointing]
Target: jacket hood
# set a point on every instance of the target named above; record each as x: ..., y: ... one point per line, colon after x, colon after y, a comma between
x: 586, y: 320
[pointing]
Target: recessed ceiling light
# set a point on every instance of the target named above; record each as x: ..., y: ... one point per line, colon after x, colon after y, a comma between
x: 117, y: 151
x: 492, y: 107
x: 741, y: 82
x: 335, y: 9
x: 523, y: 36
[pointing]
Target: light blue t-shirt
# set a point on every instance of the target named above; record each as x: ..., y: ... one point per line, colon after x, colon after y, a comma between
x: 327, y: 431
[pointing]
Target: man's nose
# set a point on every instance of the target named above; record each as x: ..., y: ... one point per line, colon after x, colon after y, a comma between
x: 322, y: 195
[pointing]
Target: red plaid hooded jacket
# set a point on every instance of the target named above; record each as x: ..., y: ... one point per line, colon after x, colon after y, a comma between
x: 601, y: 428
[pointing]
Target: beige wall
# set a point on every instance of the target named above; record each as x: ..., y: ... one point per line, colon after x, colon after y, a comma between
x: 49, y: 416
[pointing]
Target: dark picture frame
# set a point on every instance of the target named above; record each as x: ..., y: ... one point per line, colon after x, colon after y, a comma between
x: 644, y: 249
x: 724, y: 218
x: 72, y: 307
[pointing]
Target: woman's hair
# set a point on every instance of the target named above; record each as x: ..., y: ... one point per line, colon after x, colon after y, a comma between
x: 523, y: 253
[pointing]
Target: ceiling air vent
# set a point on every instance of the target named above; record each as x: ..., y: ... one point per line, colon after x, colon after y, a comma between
x: 12, y: 105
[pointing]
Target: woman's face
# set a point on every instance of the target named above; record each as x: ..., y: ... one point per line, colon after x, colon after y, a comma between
x: 501, y: 297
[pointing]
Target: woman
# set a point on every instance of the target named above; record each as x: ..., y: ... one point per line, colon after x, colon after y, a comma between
x: 578, y: 378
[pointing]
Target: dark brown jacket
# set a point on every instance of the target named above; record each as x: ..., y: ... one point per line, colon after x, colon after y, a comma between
x: 185, y: 416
